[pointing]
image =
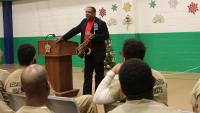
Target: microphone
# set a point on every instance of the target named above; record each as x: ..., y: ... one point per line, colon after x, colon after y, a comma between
x: 53, y: 35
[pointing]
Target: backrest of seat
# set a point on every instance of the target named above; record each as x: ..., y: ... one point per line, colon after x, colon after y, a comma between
x: 16, y: 101
x: 56, y: 104
x: 62, y: 105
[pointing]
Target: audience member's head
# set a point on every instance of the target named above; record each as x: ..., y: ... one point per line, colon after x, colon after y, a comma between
x: 136, y: 79
x: 35, y: 83
x: 133, y: 48
x: 26, y: 54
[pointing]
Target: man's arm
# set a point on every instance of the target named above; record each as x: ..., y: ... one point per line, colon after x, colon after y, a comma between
x: 74, y: 31
x: 103, y: 93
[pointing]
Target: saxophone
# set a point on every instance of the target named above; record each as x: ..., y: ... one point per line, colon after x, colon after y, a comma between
x: 83, y: 50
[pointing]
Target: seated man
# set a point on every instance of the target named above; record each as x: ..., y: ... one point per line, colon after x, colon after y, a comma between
x: 3, y: 97
x: 109, y: 90
x: 35, y: 85
x: 137, y: 84
x: 3, y: 73
x: 26, y: 57
x: 195, y: 99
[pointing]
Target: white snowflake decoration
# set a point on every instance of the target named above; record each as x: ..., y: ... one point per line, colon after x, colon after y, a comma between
x: 173, y: 3
x: 112, y: 21
x: 158, y: 19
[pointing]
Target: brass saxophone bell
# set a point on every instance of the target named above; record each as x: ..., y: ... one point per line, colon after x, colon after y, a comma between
x: 88, y: 51
x: 83, y: 50
x: 83, y: 53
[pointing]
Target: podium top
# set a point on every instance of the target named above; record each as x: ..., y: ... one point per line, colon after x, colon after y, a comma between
x: 51, y: 48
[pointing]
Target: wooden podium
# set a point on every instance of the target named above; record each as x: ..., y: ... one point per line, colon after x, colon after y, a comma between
x: 58, y: 62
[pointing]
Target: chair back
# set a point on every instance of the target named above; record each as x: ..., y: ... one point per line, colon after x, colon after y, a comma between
x: 56, y: 104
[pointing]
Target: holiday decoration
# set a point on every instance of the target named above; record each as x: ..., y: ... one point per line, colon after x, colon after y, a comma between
x: 127, y: 7
x: 114, y: 7
x: 127, y: 21
x: 112, y: 21
x: 193, y: 7
x: 173, y: 3
x: 102, y: 12
x: 158, y: 19
x: 109, y: 61
x: 152, y: 4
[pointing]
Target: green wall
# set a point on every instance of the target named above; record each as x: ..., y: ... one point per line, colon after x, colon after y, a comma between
x: 173, y: 51
x: 165, y: 51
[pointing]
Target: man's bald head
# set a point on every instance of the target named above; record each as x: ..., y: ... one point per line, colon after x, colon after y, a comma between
x: 34, y: 80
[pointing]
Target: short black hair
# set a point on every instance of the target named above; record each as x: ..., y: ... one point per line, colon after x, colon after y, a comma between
x: 26, y: 53
x: 136, y: 79
x: 133, y: 48
x: 93, y: 8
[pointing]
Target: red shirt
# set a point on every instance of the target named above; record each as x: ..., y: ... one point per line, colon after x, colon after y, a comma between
x: 88, y: 29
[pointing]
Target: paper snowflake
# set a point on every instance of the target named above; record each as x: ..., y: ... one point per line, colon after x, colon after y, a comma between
x: 158, y: 19
x: 152, y: 4
x: 127, y: 21
x: 114, y: 7
x: 112, y: 21
x: 173, y: 3
x: 193, y: 7
x: 102, y: 12
x: 127, y: 7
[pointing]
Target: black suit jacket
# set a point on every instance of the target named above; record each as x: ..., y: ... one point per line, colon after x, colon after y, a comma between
x: 98, y: 42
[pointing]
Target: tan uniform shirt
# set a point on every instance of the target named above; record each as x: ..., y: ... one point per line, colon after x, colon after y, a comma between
x: 85, y: 104
x: 160, y: 88
x: 144, y: 106
x: 4, y: 108
x: 3, y: 75
x: 30, y: 109
x: 195, y: 100
x: 13, y: 82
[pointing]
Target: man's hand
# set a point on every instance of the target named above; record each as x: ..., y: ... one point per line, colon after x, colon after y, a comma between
x: 59, y: 40
x: 116, y: 68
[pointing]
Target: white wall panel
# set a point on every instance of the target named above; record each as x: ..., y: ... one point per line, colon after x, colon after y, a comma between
x: 25, y: 19
x: 41, y: 17
x: 176, y: 19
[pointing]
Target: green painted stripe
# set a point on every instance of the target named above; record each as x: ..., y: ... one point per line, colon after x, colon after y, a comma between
x: 173, y: 51
x: 165, y: 51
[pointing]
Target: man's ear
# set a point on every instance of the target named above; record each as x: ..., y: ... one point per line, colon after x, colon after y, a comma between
x: 122, y: 56
x: 33, y: 60
x: 47, y: 86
